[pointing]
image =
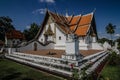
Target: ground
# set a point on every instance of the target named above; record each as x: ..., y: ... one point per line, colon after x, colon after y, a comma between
x: 59, y: 53
x: 10, y: 70
x: 111, y: 72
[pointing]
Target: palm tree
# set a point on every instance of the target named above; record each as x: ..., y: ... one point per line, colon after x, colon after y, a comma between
x: 110, y: 29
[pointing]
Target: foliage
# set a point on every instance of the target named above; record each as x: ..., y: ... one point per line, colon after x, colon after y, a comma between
x: 75, y: 74
x: 112, y: 70
x: 10, y: 70
x: 31, y: 32
x: 110, y: 73
x: 114, y: 59
x: 118, y: 40
x: 83, y: 74
x: 110, y: 29
x: 102, y: 40
x: 5, y: 25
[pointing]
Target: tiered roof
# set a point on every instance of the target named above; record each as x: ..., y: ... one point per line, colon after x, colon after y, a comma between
x: 79, y: 25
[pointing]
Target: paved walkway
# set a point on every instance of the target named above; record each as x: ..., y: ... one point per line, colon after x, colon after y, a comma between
x: 59, y: 53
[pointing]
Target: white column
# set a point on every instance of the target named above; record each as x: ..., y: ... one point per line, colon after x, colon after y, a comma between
x: 93, y: 39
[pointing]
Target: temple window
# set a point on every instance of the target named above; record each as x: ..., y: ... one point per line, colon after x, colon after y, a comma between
x: 41, y: 39
x: 17, y: 41
x: 13, y: 41
x: 59, y: 37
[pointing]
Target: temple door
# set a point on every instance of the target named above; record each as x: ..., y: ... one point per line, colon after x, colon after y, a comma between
x: 35, y: 46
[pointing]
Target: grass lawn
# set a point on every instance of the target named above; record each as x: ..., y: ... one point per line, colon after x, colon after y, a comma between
x: 111, y: 72
x: 10, y: 70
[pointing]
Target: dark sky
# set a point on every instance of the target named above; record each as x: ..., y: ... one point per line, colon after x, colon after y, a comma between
x: 24, y: 12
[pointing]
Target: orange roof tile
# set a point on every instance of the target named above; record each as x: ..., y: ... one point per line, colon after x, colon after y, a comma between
x: 75, y: 20
x: 81, y: 21
x: 69, y: 18
x: 72, y: 27
x: 82, y: 30
x: 85, y: 19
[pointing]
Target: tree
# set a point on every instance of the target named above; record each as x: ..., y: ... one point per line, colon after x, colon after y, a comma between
x: 110, y: 29
x: 5, y: 25
x: 102, y: 40
x: 114, y: 58
x: 31, y: 32
x: 118, y: 40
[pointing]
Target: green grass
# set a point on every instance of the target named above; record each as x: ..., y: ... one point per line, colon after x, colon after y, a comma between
x: 111, y: 72
x: 10, y: 70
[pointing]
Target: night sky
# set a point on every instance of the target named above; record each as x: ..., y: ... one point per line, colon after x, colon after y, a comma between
x: 25, y: 12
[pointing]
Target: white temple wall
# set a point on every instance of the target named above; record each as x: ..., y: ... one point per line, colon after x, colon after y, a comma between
x: 52, y: 24
x: 31, y: 46
x: 96, y: 46
x: 41, y: 37
x: 60, y: 39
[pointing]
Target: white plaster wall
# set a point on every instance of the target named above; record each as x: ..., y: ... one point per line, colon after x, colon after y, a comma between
x: 52, y: 27
x: 16, y: 41
x: 9, y: 42
x: 83, y: 43
x: 81, y: 40
x: 72, y: 47
x: 83, y: 46
x: 41, y: 38
x: 60, y: 44
x: 96, y: 46
x: 30, y: 46
x: 60, y: 34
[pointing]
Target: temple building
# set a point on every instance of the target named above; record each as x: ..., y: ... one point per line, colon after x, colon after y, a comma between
x: 14, y: 37
x: 55, y: 28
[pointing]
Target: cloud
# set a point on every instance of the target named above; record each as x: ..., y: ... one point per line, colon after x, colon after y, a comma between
x: 39, y: 11
x: 117, y: 35
x: 27, y: 27
x: 47, y: 1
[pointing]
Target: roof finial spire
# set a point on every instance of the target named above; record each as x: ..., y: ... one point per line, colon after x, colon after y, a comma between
x: 66, y: 13
x: 46, y: 7
x: 94, y: 10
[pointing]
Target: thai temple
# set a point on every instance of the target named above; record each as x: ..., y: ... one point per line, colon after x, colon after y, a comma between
x: 55, y: 28
x: 62, y: 44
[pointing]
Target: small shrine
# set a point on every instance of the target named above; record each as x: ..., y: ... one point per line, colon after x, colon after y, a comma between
x: 72, y: 52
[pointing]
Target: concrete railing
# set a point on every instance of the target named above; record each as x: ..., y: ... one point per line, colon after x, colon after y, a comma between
x: 91, y: 61
x: 51, y: 63
x: 58, y: 64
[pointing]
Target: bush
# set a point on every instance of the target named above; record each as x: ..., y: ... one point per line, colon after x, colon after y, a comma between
x: 114, y: 58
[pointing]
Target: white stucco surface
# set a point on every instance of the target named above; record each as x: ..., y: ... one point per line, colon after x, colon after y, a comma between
x: 30, y: 46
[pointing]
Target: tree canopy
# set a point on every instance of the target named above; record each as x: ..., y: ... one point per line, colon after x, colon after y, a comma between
x: 5, y: 25
x: 31, y: 32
